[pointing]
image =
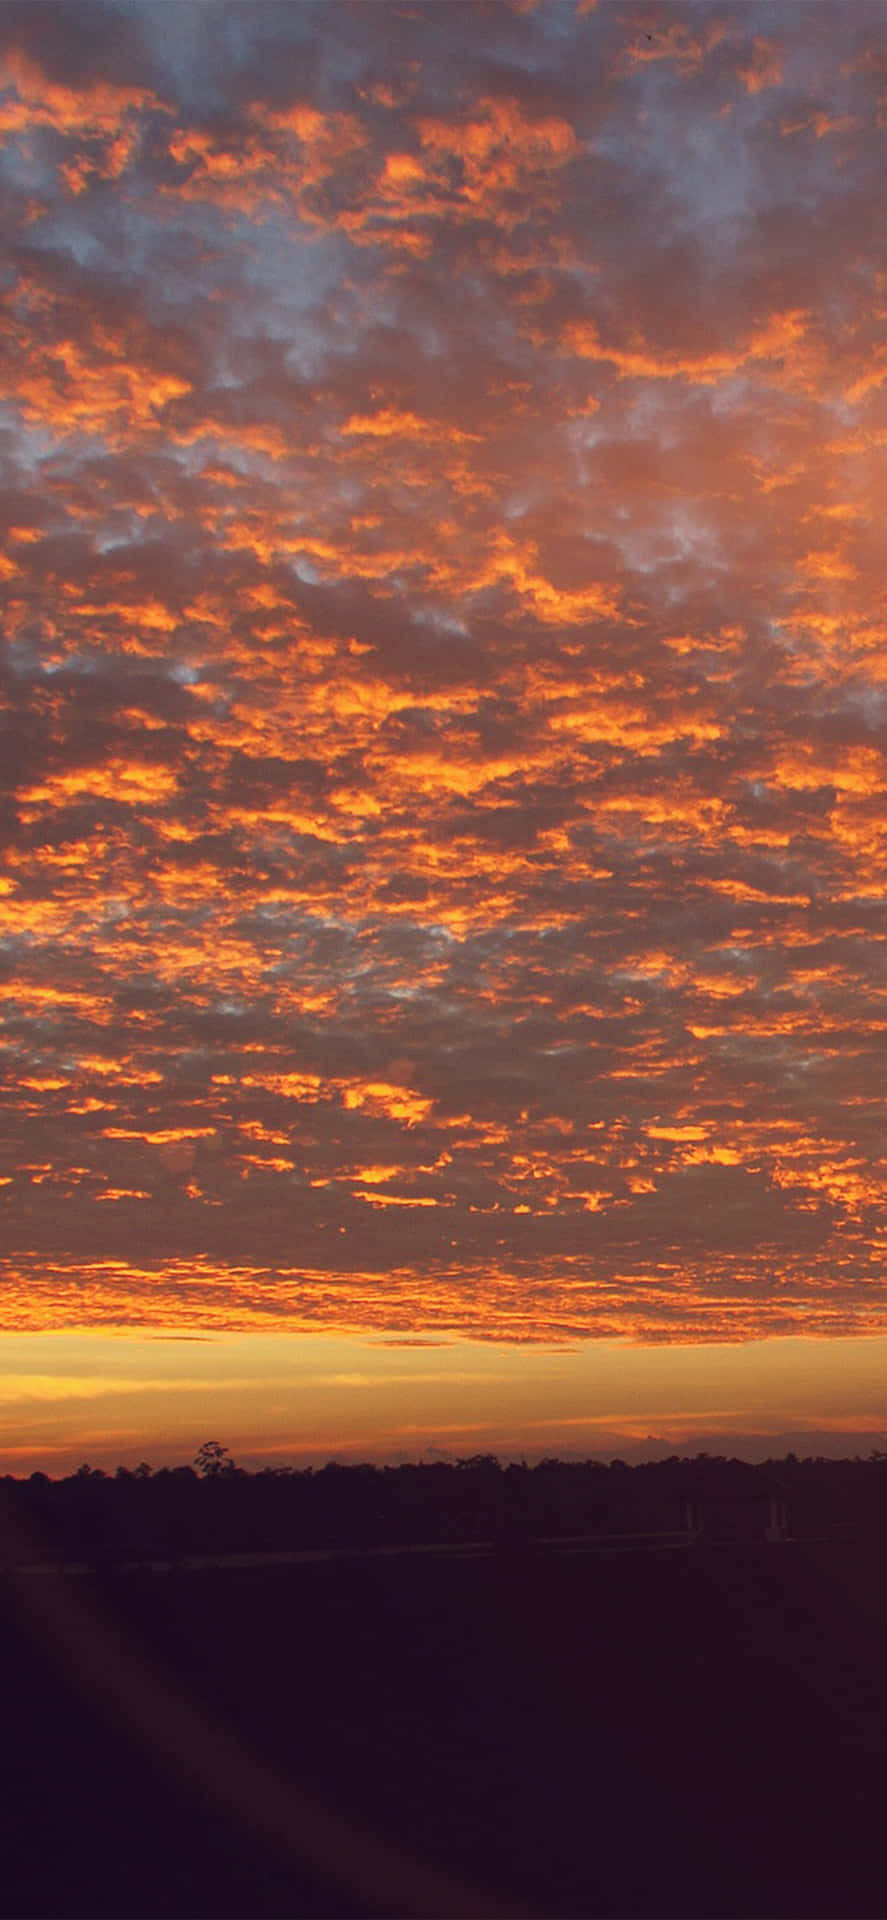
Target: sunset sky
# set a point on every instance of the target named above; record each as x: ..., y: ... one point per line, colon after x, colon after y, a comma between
x: 443, y: 787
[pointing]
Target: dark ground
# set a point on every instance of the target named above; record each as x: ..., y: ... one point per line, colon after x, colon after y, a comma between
x: 694, y: 1732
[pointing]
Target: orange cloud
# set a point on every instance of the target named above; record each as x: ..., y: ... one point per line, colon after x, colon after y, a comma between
x: 763, y: 68
x: 777, y: 339
x: 444, y: 805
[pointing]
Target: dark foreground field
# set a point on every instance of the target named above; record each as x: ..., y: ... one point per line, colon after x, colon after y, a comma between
x: 701, y: 1731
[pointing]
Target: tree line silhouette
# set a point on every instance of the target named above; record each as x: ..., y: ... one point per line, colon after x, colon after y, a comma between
x: 216, y: 1507
x: 665, y: 1734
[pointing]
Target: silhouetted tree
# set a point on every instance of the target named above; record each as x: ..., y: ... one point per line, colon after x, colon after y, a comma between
x: 212, y: 1459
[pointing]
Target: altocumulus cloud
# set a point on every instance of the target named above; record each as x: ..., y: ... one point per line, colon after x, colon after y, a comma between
x: 442, y: 791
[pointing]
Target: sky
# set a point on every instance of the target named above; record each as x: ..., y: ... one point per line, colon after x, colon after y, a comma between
x: 443, y: 794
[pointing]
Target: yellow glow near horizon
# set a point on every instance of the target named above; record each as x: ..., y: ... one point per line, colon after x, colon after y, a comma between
x: 115, y: 1397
